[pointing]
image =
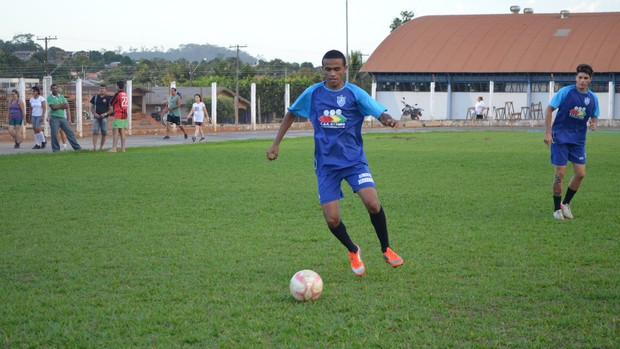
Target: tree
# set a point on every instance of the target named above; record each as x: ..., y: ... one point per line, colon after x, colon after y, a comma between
x: 355, y: 64
x: 405, y: 16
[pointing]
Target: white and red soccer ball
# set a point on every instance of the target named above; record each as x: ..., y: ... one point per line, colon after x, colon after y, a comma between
x: 306, y: 285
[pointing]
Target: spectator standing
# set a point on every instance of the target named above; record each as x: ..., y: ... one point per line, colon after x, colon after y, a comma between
x: 479, y: 108
x: 100, y: 110
x: 38, y: 107
x: 120, y: 103
x: 58, y: 104
x: 17, y: 111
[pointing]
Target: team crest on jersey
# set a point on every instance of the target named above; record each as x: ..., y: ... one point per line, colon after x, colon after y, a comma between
x: 332, y: 119
x: 341, y: 100
x: 577, y: 112
x: 586, y: 100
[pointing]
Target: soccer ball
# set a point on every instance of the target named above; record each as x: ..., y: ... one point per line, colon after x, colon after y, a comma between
x: 306, y: 285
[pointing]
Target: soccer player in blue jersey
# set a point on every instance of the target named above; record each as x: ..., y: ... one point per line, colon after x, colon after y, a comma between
x: 576, y: 105
x: 336, y: 109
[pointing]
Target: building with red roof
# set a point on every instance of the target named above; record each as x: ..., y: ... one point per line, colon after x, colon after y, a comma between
x: 515, y: 61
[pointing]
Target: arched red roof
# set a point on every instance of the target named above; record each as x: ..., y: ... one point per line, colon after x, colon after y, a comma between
x: 507, y: 43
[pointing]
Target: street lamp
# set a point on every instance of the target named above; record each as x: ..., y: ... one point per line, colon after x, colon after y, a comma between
x: 191, y: 72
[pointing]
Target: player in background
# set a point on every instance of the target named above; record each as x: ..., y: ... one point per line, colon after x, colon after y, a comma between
x: 566, y: 139
x: 119, y: 103
x: 337, y: 110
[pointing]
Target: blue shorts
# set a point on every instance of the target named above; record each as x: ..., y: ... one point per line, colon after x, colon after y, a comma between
x: 562, y: 153
x: 15, y: 122
x: 358, y: 177
x: 100, y: 124
x: 37, y: 121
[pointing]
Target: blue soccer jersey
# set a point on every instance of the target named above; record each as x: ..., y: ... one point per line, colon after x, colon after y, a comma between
x: 337, y: 117
x: 574, y: 110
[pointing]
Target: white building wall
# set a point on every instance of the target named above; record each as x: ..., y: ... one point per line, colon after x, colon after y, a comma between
x: 461, y: 101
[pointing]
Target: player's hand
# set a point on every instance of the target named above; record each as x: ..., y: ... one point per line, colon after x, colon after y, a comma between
x: 593, y: 123
x: 272, y: 153
x: 386, y: 120
x: 548, y: 140
x: 393, y: 123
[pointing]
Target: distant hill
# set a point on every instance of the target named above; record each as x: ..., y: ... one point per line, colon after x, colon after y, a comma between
x: 192, y: 53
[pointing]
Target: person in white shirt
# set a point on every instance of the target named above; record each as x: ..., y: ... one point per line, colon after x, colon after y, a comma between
x: 38, y: 106
x: 200, y: 114
x: 479, y: 108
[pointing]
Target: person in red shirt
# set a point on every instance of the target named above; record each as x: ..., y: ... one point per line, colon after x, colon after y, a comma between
x: 119, y: 103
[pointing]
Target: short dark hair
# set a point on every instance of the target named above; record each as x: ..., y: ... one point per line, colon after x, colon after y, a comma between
x: 120, y: 84
x: 35, y: 88
x: 585, y: 68
x: 103, y: 85
x: 335, y: 54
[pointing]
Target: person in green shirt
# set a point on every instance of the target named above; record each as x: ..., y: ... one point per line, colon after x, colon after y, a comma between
x: 58, y: 104
x: 173, y: 108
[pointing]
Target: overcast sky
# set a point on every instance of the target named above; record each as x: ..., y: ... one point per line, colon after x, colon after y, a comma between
x: 294, y: 31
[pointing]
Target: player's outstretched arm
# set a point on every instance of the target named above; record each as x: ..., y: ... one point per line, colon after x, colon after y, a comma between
x: 387, y: 120
x: 287, y: 121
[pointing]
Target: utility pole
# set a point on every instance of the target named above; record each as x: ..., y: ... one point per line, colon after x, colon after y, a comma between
x: 47, y: 38
x: 237, y: 86
x: 347, y: 35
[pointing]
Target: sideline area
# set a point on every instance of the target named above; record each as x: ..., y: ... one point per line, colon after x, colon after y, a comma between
x: 156, y: 140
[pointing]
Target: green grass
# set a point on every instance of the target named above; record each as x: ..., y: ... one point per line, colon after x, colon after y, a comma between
x: 194, y: 246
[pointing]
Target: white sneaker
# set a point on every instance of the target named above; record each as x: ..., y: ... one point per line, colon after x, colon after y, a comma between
x: 558, y: 215
x: 566, y: 212
x: 64, y: 146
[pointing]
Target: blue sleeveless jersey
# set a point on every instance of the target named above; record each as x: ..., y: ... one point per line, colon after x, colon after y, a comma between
x: 337, y: 117
x: 574, y: 110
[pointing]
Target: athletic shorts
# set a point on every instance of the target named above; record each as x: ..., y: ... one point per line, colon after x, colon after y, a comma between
x: 100, y: 124
x: 16, y: 122
x: 198, y: 123
x: 330, y: 189
x: 37, y: 121
x: 119, y: 123
x: 562, y: 153
x: 174, y: 119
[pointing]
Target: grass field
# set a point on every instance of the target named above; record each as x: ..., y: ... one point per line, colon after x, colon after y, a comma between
x: 194, y: 246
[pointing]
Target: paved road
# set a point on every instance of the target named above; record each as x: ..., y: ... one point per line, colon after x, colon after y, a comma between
x: 6, y: 147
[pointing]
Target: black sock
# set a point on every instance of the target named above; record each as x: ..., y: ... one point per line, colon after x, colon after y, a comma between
x: 379, y: 222
x: 340, y: 232
x: 556, y: 202
x: 569, y: 195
